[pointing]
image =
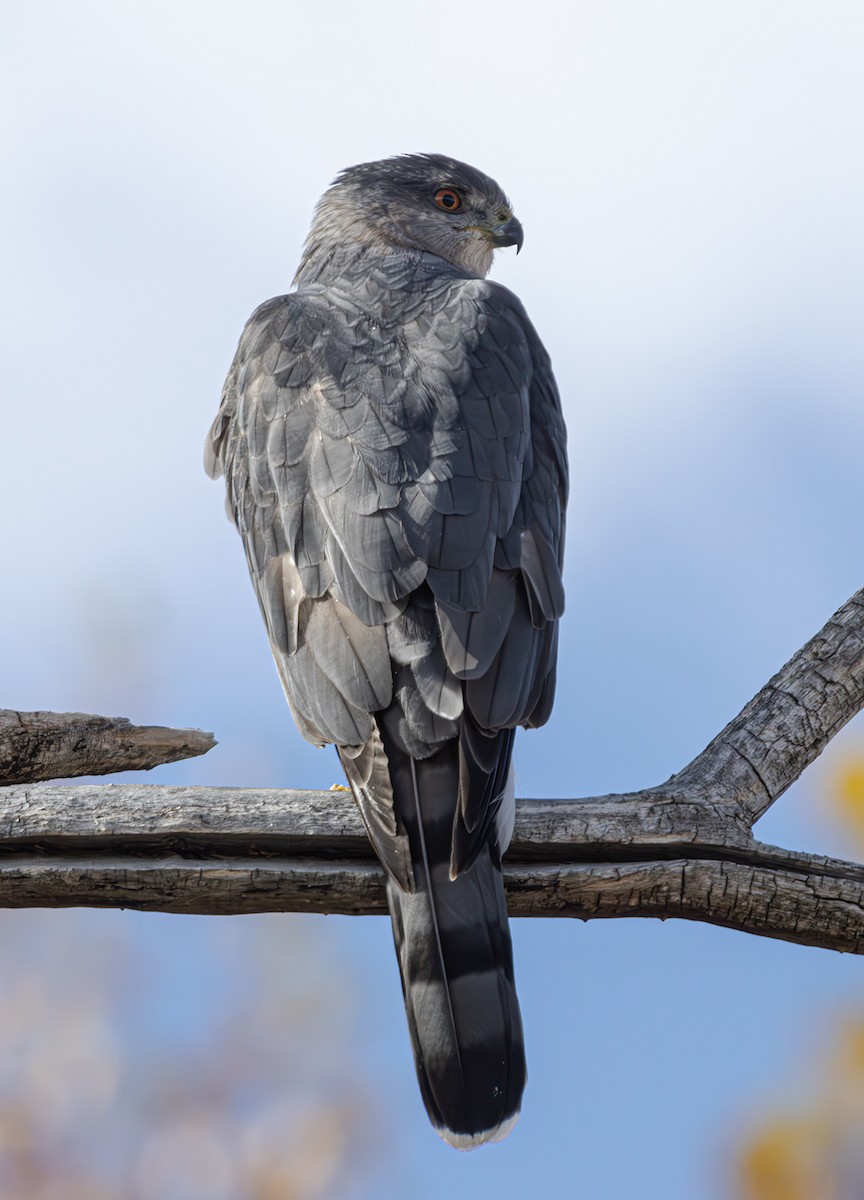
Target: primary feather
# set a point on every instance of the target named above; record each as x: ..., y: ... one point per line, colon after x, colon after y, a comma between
x: 394, y: 454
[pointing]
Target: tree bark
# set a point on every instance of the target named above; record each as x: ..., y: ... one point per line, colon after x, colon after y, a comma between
x: 45, y: 745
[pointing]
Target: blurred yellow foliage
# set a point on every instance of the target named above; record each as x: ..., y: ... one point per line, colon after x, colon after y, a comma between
x: 817, y: 1153
x: 784, y: 1162
x: 847, y: 794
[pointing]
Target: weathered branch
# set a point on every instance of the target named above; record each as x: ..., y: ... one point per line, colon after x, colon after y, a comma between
x: 790, y: 721
x: 684, y: 849
x: 225, y: 850
x: 45, y: 745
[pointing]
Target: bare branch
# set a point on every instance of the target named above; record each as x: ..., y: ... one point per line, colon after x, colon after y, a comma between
x: 815, y: 909
x: 233, y: 820
x: 45, y: 745
x: 684, y: 849
x: 226, y: 850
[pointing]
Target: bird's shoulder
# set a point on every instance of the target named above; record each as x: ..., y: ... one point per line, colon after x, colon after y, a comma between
x: 277, y: 349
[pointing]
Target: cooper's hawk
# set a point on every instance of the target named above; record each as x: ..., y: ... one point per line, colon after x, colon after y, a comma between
x: 394, y: 453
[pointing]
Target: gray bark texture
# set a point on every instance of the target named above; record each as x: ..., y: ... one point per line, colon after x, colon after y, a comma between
x: 45, y: 745
x: 683, y: 849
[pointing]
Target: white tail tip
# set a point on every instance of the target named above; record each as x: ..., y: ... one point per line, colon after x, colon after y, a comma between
x: 470, y: 1141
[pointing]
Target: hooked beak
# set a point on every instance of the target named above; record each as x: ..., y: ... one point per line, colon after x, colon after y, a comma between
x: 508, y: 234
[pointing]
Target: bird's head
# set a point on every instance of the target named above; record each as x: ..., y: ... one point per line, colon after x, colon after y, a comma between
x: 419, y: 202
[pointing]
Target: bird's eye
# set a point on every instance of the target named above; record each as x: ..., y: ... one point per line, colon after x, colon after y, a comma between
x: 448, y: 199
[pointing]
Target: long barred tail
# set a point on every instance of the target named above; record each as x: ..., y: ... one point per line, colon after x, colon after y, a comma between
x: 456, y: 962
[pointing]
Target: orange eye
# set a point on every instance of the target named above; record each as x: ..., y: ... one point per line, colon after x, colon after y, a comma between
x: 448, y: 199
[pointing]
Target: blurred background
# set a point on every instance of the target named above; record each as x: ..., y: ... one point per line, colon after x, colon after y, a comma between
x: 689, y: 175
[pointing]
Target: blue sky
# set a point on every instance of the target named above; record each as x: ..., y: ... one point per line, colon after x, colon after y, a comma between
x: 690, y: 181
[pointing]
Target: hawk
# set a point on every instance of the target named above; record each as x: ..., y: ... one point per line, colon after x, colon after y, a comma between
x: 392, y: 442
